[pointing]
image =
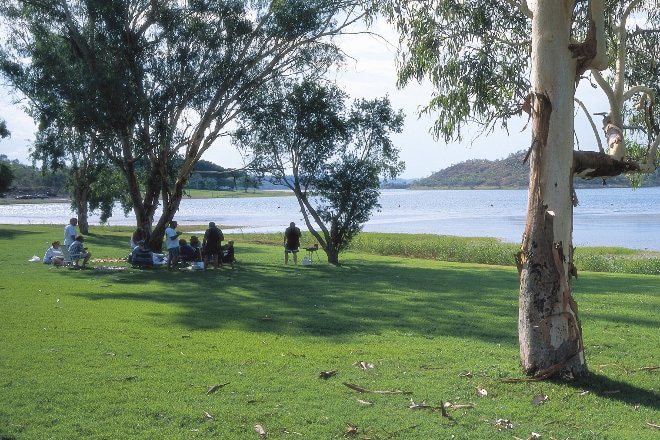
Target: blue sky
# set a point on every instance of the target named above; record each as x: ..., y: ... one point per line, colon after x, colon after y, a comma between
x: 369, y: 73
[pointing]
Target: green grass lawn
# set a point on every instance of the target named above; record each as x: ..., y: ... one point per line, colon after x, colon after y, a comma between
x: 114, y: 354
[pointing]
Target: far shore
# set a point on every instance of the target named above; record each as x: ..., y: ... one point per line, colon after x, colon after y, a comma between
x: 190, y: 194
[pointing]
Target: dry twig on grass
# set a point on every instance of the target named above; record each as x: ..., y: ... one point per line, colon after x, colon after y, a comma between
x: 648, y: 368
x: 359, y: 389
x: 423, y: 405
x: 215, y: 388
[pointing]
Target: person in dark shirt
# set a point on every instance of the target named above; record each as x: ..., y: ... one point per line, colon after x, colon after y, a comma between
x: 79, y: 252
x: 188, y: 253
x: 212, y: 245
x: 141, y: 256
x: 291, y: 243
x: 228, y: 253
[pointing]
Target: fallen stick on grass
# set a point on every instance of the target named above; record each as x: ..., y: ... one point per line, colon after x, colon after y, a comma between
x: 215, y: 388
x: 359, y: 389
x: 648, y: 368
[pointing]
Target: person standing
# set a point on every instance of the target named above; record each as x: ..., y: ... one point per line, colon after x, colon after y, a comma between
x: 172, y: 245
x: 70, y: 232
x: 291, y: 242
x: 212, y: 245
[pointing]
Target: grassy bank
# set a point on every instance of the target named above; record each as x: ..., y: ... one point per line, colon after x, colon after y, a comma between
x: 189, y: 193
x: 120, y: 353
x: 483, y: 251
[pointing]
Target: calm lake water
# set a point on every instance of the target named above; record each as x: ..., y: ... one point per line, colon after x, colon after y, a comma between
x: 605, y: 217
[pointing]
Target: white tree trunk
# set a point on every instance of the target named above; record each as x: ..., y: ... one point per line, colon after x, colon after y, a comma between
x: 549, y: 329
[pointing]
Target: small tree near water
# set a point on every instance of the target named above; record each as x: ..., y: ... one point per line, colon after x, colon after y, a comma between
x: 330, y: 157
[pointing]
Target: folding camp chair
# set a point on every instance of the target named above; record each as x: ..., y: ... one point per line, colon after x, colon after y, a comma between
x: 67, y: 255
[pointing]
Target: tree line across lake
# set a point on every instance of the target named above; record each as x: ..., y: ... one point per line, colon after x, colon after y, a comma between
x: 507, y: 173
x: 30, y: 181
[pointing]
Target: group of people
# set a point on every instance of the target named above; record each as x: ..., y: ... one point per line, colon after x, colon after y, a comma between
x: 74, y: 246
x: 210, y: 250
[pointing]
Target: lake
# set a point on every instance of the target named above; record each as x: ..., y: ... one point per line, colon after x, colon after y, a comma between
x: 604, y: 217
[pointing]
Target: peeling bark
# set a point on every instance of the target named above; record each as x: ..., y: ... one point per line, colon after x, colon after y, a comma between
x: 549, y: 331
x: 616, y: 146
x: 592, y: 164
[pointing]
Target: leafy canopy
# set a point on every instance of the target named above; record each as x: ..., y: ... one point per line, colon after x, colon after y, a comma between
x: 331, y: 157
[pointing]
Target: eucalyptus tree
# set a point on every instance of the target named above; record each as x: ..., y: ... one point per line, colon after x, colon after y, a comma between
x: 490, y: 60
x: 331, y: 157
x: 161, y: 80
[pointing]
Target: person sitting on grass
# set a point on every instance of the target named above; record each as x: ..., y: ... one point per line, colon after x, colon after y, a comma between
x: 79, y: 252
x: 141, y: 256
x: 194, y: 242
x: 228, y: 253
x: 188, y: 253
x: 54, y: 255
x: 138, y: 234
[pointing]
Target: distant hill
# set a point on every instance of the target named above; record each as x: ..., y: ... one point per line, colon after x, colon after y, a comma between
x: 509, y: 173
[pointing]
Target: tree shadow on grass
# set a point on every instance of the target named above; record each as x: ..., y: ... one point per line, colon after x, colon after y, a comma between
x: 13, y: 234
x: 620, y: 301
x: 331, y: 301
x: 612, y: 389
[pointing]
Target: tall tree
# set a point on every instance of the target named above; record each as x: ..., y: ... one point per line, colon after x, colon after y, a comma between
x: 6, y: 173
x: 156, y: 80
x: 332, y: 158
x: 485, y: 68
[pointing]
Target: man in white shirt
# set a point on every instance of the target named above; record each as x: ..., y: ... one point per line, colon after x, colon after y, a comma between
x: 172, y: 244
x: 70, y: 232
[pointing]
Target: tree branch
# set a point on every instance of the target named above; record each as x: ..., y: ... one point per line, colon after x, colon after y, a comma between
x: 605, y: 87
x: 637, y: 89
x: 522, y: 6
x: 590, y: 164
x: 593, y: 125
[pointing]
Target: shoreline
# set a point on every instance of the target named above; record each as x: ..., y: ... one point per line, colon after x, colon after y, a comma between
x: 191, y: 229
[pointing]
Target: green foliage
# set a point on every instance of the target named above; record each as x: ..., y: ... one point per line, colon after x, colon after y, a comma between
x: 474, y: 52
x: 208, y: 175
x: 4, y: 132
x: 302, y: 135
x: 30, y: 179
x: 6, y: 171
x: 134, y: 354
x: 6, y: 177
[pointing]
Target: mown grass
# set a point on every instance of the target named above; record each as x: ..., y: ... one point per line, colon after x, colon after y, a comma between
x: 110, y: 354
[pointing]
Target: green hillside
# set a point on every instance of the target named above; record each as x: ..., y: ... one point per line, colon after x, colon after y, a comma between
x: 508, y: 173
